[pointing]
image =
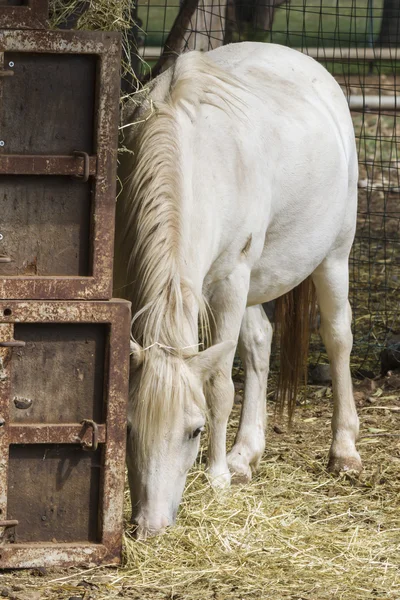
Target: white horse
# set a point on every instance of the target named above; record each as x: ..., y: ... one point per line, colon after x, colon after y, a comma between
x: 239, y: 184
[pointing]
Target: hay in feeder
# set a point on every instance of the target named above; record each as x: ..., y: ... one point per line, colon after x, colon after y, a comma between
x: 100, y: 15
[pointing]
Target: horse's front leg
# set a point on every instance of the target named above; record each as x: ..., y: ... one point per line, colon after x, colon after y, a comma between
x: 254, y: 348
x: 228, y: 303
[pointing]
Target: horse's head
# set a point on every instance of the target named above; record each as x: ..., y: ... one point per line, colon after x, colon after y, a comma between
x: 167, y: 413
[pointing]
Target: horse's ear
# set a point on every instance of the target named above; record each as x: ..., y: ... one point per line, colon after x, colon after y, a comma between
x: 208, y: 362
x: 137, y: 355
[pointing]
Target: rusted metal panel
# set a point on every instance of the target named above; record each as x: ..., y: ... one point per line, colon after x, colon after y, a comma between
x: 22, y: 14
x: 61, y: 475
x: 58, y: 118
x: 48, y: 104
x: 76, y: 353
x: 45, y: 230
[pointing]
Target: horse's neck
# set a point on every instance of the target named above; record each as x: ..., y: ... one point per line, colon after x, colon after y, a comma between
x: 170, y: 319
x: 153, y: 247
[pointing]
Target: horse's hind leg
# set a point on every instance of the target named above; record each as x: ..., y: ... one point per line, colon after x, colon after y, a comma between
x: 331, y: 282
x: 254, y: 348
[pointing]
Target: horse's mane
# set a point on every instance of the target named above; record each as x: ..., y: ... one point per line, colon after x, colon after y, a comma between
x: 149, y: 227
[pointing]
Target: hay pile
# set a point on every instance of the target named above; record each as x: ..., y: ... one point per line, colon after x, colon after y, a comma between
x: 295, y: 531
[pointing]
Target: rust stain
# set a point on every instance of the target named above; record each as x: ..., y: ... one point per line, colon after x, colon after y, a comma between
x: 21, y: 164
x: 6, y: 334
x: 53, y: 434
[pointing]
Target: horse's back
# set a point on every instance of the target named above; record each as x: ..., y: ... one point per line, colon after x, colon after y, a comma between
x: 285, y: 79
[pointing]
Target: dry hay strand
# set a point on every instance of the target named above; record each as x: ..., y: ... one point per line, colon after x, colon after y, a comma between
x: 100, y: 15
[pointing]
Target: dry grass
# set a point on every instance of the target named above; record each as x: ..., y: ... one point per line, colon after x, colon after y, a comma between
x: 295, y: 531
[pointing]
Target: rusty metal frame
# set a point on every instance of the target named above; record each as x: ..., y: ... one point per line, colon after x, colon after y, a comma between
x: 102, y: 167
x: 32, y: 15
x: 112, y: 434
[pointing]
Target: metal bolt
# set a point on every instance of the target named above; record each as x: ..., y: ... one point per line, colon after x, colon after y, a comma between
x: 44, y: 518
x: 1, y: 237
x: 11, y: 64
x: 1, y: 143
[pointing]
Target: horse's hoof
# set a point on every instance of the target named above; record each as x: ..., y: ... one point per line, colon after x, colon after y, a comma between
x: 241, y: 478
x: 241, y: 471
x: 341, y: 464
x: 219, y: 481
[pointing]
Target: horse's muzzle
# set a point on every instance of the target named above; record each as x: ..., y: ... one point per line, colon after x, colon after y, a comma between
x: 144, y: 528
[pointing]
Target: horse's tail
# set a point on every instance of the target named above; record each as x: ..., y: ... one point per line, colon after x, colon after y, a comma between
x: 295, y: 314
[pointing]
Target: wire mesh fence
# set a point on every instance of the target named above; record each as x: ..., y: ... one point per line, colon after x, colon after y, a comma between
x: 358, y: 41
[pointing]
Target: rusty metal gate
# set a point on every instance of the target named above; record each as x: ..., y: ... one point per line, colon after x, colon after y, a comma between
x: 63, y: 390
x: 64, y: 345
x: 59, y: 98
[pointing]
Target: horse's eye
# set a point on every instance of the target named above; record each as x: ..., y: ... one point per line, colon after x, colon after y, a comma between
x: 196, y: 433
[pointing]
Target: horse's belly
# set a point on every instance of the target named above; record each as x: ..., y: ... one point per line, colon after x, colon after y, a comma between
x: 291, y: 253
x: 273, y: 276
